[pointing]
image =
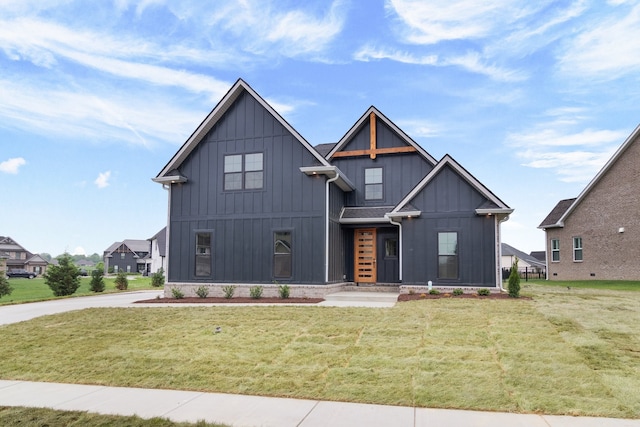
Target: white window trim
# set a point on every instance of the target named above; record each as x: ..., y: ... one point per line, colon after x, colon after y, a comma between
x: 577, y: 249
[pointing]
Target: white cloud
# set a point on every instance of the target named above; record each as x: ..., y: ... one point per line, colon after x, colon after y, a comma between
x: 573, y: 155
x: 12, y: 166
x: 102, y: 180
x: 417, y: 128
x: 368, y: 53
x: 79, y: 250
x: 606, y: 49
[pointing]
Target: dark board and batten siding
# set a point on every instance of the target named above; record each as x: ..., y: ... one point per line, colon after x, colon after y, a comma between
x: 242, y: 222
x: 448, y: 203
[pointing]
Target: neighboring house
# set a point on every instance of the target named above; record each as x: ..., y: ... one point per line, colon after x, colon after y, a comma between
x: 130, y: 255
x: 3, y: 262
x: 20, y: 258
x: 85, y: 263
x: 596, y: 235
x: 527, y: 264
x: 158, y: 253
x: 252, y: 202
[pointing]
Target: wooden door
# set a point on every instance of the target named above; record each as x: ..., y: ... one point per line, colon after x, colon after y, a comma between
x: 365, y: 255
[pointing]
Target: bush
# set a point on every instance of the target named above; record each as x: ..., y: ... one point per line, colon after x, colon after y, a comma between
x: 63, y: 279
x: 5, y: 287
x: 255, y: 292
x: 434, y: 292
x: 177, y: 293
x: 97, y: 281
x: 228, y: 290
x: 202, y: 291
x: 284, y: 291
x: 484, y: 292
x: 457, y: 292
x: 157, y: 278
x: 122, y: 283
x: 514, y: 281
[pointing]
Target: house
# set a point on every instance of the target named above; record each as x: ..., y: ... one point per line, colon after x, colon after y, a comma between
x: 596, y: 235
x: 158, y: 254
x: 528, y: 265
x: 253, y: 202
x: 129, y: 255
x: 17, y: 257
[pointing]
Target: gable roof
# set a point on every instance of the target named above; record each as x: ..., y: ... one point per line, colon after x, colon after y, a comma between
x: 161, y: 237
x: 493, y: 206
x: 135, y: 246
x: 508, y: 250
x: 351, y: 132
x: 169, y: 173
x: 551, y: 222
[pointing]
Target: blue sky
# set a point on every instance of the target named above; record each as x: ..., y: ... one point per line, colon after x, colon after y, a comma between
x: 532, y: 98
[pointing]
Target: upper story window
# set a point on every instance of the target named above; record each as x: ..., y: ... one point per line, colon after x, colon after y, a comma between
x: 243, y: 171
x: 555, y: 250
x: 577, y: 248
x: 373, y: 184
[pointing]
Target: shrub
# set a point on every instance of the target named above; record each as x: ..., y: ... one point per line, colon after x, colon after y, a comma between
x: 157, y: 278
x: 63, y: 279
x: 484, y: 292
x: 457, y: 292
x: 255, y: 292
x: 177, y: 293
x: 284, y: 291
x: 228, y: 290
x: 202, y: 291
x: 423, y: 296
x: 122, y: 283
x: 97, y: 281
x: 5, y: 287
x: 514, y: 281
x: 434, y: 292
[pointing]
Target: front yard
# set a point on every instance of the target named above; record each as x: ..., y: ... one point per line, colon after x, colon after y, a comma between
x: 566, y: 351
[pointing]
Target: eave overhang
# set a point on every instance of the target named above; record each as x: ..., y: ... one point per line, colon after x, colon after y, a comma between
x: 330, y: 172
x: 173, y: 179
x: 494, y: 211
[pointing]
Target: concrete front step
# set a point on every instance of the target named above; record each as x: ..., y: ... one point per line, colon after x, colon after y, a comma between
x: 360, y: 299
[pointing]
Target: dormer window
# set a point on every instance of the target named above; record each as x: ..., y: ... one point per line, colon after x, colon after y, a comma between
x: 243, y: 172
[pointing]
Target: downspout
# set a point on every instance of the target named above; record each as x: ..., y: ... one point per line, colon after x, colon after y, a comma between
x: 499, y: 251
x: 166, y: 243
x: 326, y: 239
x: 399, y: 224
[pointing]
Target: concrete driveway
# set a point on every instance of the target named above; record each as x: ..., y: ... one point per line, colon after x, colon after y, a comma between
x: 21, y: 312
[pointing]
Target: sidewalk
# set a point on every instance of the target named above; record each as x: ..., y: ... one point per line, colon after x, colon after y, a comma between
x: 241, y: 411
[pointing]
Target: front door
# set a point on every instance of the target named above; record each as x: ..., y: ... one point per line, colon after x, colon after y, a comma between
x: 365, y: 255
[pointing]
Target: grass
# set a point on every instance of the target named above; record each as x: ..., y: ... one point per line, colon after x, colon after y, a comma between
x: 614, y: 285
x: 573, y: 352
x: 31, y: 290
x: 38, y: 417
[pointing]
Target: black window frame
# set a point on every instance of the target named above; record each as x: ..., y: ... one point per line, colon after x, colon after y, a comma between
x: 447, y: 258
x: 375, y: 186
x: 200, y: 258
x: 246, y: 172
x: 281, y: 259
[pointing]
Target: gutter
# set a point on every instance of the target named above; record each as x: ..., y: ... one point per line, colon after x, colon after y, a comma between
x: 326, y: 236
x: 399, y: 224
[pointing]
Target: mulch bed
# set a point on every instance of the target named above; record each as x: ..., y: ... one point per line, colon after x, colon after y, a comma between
x: 417, y: 296
x: 234, y: 300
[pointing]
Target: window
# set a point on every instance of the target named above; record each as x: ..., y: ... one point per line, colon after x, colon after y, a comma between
x: 122, y: 255
x: 391, y: 248
x: 282, y: 254
x: 203, y: 254
x: 373, y: 184
x: 448, y: 255
x: 577, y: 248
x: 555, y: 250
x: 243, y: 171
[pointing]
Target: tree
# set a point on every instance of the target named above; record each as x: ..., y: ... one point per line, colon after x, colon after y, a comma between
x: 157, y: 278
x: 122, y: 283
x: 97, y: 282
x: 63, y: 279
x: 514, y: 280
x: 5, y: 287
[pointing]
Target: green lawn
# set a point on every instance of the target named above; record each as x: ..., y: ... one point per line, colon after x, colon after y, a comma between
x: 615, y: 285
x: 567, y: 351
x: 30, y: 290
x: 39, y: 417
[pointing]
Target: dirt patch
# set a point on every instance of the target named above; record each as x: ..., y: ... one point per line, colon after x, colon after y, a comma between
x: 417, y: 296
x: 234, y: 300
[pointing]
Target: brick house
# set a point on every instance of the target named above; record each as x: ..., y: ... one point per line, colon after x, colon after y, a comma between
x: 596, y: 235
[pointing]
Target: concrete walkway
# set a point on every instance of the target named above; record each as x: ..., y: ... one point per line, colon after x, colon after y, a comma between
x: 240, y: 410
